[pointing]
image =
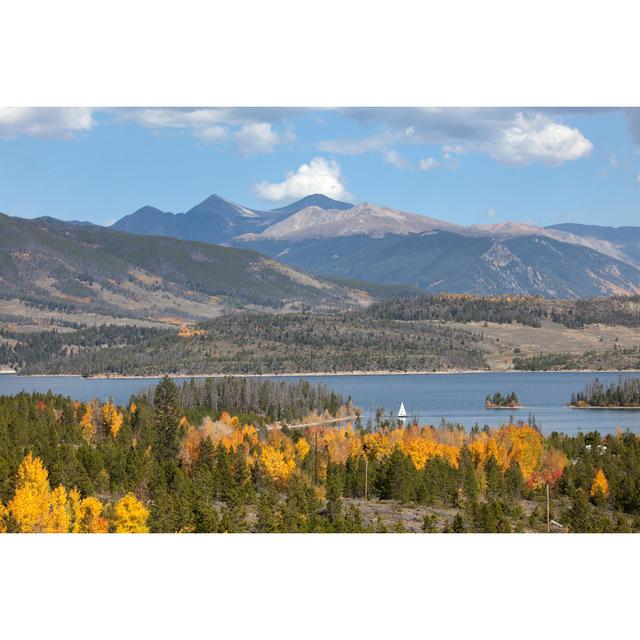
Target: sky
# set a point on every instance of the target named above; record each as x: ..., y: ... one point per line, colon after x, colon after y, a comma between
x: 464, y: 165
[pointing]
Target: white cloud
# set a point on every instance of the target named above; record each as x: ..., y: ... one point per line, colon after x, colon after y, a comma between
x: 428, y: 164
x: 241, y: 125
x: 537, y: 138
x: 260, y: 137
x: 507, y: 135
x: 215, y: 133
x: 44, y: 122
x: 161, y: 118
x: 208, y: 125
x: 392, y: 157
x: 318, y: 176
x: 638, y: 179
x: 491, y: 213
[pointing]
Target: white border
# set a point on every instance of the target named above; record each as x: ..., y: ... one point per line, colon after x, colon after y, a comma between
x: 328, y: 53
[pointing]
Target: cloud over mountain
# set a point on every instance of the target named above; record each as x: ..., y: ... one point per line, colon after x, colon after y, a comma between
x: 318, y: 176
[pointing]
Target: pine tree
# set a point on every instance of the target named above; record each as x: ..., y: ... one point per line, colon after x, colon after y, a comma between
x: 457, y: 526
x: 468, y: 476
x: 268, y: 511
x: 334, y: 494
x: 514, y: 480
x: 579, y: 516
x: 166, y: 419
x: 429, y: 523
x: 493, y: 474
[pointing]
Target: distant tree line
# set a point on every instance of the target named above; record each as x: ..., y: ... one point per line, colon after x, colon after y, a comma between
x: 616, y: 359
x: 264, y: 399
x: 21, y: 350
x: 463, y: 308
x: 527, y: 310
x: 623, y: 393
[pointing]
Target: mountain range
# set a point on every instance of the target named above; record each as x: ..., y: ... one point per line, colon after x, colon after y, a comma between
x: 385, y: 245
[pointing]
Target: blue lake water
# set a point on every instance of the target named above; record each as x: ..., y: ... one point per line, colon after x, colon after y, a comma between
x: 455, y: 397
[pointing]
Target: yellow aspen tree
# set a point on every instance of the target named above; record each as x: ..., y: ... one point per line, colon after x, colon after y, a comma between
x: 250, y: 435
x: 90, y: 519
x: 275, y: 464
x: 525, y: 444
x: 58, y: 519
x: 302, y: 449
x: 600, y: 484
x: 74, y: 508
x: 87, y: 426
x: 130, y: 515
x: 29, y: 506
x: 112, y: 418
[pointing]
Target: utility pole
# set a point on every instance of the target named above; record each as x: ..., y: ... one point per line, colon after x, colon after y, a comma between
x: 366, y: 478
x: 548, y: 521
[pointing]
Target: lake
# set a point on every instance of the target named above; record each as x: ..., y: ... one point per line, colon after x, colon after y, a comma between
x: 456, y: 397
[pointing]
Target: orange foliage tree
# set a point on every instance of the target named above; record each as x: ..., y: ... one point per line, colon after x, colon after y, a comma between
x: 600, y: 484
x: 550, y: 469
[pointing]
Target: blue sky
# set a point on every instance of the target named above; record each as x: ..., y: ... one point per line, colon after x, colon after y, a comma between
x: 469, y: 166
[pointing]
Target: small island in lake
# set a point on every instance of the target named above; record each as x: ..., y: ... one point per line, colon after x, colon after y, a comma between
x: 624, y: 394
x: 498, y: 401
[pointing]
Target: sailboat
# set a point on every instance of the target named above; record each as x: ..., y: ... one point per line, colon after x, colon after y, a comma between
x: 402, y: 414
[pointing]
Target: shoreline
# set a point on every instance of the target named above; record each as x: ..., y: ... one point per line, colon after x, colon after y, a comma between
x: 383, y: 372
x: 601, y: 408
x: 519, y: 406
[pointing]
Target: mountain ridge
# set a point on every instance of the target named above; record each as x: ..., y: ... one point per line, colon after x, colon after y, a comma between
x: 50, y: 262
x: 338, y: 239
x: 215, y: 219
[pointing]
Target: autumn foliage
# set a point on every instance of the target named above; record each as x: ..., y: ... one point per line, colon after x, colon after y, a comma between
x: 112, y: 418
x: 122, y: 469
x: 600, y: 484
x: 36, y: 508
x: 131, y: 516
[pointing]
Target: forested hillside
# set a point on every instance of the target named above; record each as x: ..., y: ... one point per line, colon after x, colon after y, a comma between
x: 416, y: 333
x: 83, y: 268
x: 528, y: 310
x: 616, y: 359
x: 249, y: 343
x: 176, y: 460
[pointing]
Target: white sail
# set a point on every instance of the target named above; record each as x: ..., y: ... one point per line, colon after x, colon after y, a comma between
x: 402, y: 412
